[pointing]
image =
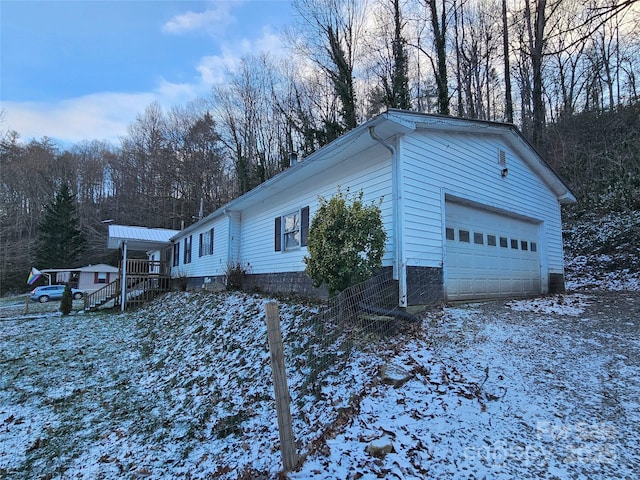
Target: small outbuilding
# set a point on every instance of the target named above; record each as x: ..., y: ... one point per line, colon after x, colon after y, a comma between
x: 88, y: 279
x: 94, y: 277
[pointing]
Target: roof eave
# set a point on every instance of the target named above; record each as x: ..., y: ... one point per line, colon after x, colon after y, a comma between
x: 337, y: 149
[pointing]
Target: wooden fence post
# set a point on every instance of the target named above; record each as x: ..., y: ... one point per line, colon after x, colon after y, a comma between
x: 285, y: 426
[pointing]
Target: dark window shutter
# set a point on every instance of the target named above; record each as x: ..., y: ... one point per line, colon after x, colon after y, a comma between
x: 95, y: 277
x: 304, y: 226
x: 200, y: 246
x: 278, y: 234
x: 211, y: 240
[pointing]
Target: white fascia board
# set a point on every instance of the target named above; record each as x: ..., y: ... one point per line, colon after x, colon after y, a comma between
x: 535, y: 161
x: 387, y: 125
x: 511, y: 135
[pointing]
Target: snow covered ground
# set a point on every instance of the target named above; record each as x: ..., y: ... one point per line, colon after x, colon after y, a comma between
x: 541, y: 388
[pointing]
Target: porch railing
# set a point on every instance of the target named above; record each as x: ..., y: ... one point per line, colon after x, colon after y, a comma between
x: 142, y: 267
x: 145, y: 280
x: 99, y: 298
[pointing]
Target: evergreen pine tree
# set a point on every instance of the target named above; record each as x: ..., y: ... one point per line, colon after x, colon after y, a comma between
x: 66, y: 304
x: 60, y: 240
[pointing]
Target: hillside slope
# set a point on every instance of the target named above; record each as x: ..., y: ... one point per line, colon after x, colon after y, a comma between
x: 602, y: 251
x: 181, y: 389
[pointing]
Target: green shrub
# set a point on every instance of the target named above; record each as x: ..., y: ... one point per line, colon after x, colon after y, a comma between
x: 346, y: 242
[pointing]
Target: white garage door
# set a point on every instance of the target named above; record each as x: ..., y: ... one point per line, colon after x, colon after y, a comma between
x: 489, y: 255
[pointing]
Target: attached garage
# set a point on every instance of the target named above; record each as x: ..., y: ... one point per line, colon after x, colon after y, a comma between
x: 470, y: 209
x: 490, y: 254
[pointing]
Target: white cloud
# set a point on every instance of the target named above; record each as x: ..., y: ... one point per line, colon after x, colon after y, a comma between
x: 168, y: 93
x: 212, y: 68
x: 107, y: 115
x: 213, y: 21
x: 100, y: 116
x: 270, y: 42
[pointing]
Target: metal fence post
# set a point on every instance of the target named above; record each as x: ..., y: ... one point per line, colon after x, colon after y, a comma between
x: 281, y: 389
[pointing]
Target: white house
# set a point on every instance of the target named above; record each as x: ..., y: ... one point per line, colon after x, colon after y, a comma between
x: 87, y: 279
x: 470, y: 209
x: 94, y: 277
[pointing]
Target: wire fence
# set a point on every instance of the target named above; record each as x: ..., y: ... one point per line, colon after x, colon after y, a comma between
x: 359, y: 316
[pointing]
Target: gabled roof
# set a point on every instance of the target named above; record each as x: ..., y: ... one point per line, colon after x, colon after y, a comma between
x: 387, y: 126
x: 139, y: 238
x: 100, y: 267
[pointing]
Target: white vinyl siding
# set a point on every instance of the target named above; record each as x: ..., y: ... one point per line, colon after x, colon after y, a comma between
x: 434, y: 167
x: 372, y: 176
x: 207, y: 265
x: 467, y: 167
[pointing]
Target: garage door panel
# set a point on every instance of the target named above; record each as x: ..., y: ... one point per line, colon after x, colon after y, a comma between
x: 490, y: 255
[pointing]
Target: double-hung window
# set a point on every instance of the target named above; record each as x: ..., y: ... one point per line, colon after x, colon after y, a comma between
x: 187, y: 249
x: 176, y: 254
x: 291, y: 230
x: 206, y: 243
x: 100, y: 277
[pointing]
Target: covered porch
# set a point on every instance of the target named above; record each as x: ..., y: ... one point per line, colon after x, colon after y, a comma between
x: 140, y: 280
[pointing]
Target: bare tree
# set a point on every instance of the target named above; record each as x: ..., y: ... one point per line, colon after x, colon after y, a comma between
x: 508, y: 100
x: 328, y: 33
x: 476, y: 49
x: 439, y: 24
x: 252, y: 125
x: 201, y: 177
x: 390, y: 62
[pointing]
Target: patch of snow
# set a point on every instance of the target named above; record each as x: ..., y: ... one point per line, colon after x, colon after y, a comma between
x: 183, y: 388
x: 572, y: 305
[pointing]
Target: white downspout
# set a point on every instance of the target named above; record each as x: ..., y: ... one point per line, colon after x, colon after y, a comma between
x: 227, y: 214
x: 400, y: 267
x: 123, y: 280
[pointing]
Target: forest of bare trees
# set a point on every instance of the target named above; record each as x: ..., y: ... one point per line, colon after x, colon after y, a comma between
x: 552, y: 67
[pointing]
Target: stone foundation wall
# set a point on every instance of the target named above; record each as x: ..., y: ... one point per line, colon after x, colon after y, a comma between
x: 286, y: 283
x: 556, y: 283
x: 425, y: 285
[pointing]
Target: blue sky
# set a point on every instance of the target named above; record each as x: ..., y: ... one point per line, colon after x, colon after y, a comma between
x: 80, y: 70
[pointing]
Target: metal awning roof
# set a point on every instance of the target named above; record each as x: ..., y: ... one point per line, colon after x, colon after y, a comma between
x: 139, y: 238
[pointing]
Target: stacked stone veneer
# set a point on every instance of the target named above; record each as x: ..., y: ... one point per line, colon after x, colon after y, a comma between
x: 424, y: 285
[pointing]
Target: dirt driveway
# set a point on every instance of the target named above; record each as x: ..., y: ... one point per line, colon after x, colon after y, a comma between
x: 578, y: 361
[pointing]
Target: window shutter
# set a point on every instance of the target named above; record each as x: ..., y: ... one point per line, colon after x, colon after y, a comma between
x: 186, y: 249
x: 211, y: 242
x: 95, y: 277
x: 304, y: 226
x: 278, y: 234
x: 200, y: 246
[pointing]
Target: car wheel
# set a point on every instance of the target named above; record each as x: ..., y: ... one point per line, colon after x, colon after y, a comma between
x: 77, y: 296
x: 43, y: 299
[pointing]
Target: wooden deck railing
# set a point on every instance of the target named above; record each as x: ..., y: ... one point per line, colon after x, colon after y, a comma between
x: 146, y: 279
x: 97, y: 299
x: 147, y: 267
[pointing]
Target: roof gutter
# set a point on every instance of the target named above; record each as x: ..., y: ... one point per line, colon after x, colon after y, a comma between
x: 399, y: 265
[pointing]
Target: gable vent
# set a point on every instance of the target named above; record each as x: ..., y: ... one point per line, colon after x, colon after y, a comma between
x: 502, y: 157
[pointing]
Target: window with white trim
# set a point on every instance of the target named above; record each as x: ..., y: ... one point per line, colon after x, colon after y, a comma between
x: 291, y: 230
x: 206, y: 243
x: 187, y: 249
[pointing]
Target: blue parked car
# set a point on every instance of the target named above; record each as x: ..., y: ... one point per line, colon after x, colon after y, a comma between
x: 53, y: 292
